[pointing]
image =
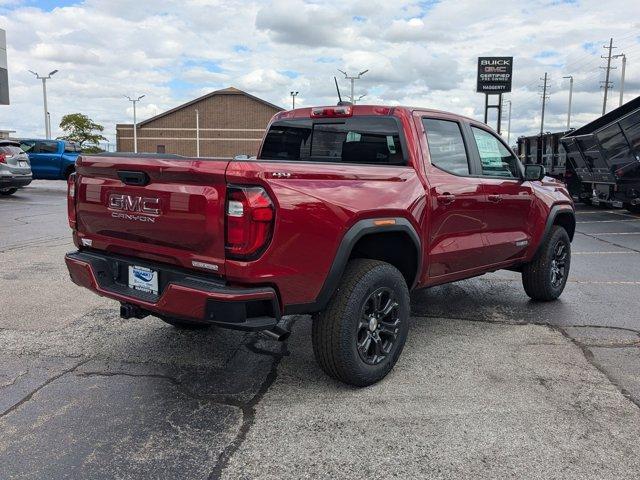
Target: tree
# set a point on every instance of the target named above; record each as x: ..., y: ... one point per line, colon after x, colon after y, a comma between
x: 80, y: 129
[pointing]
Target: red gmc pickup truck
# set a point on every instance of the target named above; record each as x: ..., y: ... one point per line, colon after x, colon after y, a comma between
x: 345, y: 210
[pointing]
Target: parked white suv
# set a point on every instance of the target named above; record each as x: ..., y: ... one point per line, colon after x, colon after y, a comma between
x: 15, y: 169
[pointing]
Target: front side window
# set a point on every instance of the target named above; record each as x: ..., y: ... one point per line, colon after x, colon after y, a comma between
x: 364, y: 140
x: 446, y: 146
x: 47, y: 147
x: 496, y: 159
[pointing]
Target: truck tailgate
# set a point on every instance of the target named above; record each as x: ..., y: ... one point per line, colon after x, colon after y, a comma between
x: 168, y: 209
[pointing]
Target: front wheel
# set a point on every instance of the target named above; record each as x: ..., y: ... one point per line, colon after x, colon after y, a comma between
x: 8, y: 191
x: 545, y: 277
x: 358, y: 338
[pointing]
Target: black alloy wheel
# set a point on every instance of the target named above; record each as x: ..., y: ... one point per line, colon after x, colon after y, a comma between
x: 379, y: 326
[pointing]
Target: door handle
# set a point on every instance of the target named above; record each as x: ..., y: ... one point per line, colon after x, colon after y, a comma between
x: 494, y: 198
x: 446, y: 199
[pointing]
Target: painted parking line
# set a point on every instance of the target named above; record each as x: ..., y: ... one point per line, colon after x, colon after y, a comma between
x: 605, y: 253
x: 586, y: 282
x: 613, y: 233
x: 611, y: 221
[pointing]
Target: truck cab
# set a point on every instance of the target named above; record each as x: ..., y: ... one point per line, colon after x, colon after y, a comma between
x: 51, y: 159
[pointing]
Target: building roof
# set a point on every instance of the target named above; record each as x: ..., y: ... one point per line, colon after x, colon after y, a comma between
x: 224, y: 91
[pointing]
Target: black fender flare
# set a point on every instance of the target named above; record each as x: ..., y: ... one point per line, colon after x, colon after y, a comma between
x: 551, y: 218
x: 350, y: 238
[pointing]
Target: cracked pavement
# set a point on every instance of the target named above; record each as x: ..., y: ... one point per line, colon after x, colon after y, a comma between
x: 489, y: 385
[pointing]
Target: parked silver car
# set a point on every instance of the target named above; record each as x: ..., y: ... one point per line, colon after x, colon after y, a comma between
x: 15, y: 169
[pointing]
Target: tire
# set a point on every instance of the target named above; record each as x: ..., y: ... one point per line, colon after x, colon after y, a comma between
x: 68, y: 172
x: 633, y: 208
x: 351, y: 319
x: 8, y: 191
x: 184, y: 324
x: 540, y: 276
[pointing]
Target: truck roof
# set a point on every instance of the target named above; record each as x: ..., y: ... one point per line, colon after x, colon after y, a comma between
x: 382, y: 110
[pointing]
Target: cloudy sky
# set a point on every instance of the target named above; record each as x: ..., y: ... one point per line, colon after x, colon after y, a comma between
x: 420, y: 53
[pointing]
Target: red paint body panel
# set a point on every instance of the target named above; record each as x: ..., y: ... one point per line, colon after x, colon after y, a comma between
x: 315, y: 204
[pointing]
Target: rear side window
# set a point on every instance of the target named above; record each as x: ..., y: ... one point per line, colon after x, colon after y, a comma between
x: 70, y: 147
x: 365, y: 140
x: 446, y: 146
x: 497, y: 160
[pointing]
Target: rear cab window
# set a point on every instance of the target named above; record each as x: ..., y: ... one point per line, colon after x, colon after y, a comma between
x: 353, y: 140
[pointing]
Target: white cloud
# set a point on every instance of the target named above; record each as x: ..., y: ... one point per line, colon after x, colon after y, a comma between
x: 173, y: 51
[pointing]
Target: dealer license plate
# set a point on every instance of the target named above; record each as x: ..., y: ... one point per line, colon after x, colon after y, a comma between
x: 144, y: 279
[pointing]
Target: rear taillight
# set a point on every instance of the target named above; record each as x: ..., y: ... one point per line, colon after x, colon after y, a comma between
x: 250, y: 218
x: 3, y: 158
x: 71, y: 200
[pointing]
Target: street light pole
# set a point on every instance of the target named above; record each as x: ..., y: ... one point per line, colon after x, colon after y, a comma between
x: 570, y: 77
x: 353, y: 79
x: 293, y: 100
x: 47, y: 126
x: 509, y: 124
x: 624, y: 65
x: 135, y: 124
x: 197, y: 133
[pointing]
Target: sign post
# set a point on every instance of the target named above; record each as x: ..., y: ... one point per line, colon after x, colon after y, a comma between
x: 494, y: 78
x: 4, y: 77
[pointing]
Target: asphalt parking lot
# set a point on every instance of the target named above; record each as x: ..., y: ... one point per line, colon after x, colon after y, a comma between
x: 490, y: 384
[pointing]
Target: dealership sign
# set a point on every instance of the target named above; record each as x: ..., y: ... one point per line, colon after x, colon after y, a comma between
x: 494, y: 74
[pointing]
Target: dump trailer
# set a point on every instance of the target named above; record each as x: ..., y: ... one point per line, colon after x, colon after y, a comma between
x: 548, y: 150
x: 605, y: 155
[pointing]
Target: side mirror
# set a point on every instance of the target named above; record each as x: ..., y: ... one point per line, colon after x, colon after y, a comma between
x: 534, y: 172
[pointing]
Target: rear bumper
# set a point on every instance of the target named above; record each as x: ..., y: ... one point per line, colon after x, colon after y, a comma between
x: 181, y: 294
x: 15, y: 181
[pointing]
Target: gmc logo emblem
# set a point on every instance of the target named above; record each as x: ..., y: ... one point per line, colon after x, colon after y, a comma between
x: 128, y: 203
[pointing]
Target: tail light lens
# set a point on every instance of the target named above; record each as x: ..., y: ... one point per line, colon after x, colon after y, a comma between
x: 250, y: 219
x: 3, y: 158
x: 71, y: 200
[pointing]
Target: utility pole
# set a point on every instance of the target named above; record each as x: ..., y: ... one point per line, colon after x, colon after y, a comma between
x: 197, y: 133
x: 544, y: 102
x: 570, y: 77
x: 47, y: 126
x: 607, y: 83
x: 135, y: 123
x: 293, y: 100
x: 353, y: 79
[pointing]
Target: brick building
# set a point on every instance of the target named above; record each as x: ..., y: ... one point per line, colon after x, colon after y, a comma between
x: 231, y: 122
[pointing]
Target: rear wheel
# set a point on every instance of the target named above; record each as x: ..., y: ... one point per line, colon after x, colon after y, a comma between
x: 633, y: 208
x: 8, y: 191
x: 184, y: 324
x: 545, y: 277
x: 359, y: 337
x: 68, y: 172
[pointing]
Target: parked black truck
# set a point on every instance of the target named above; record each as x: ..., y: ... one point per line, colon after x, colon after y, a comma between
x: 599, y: 162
